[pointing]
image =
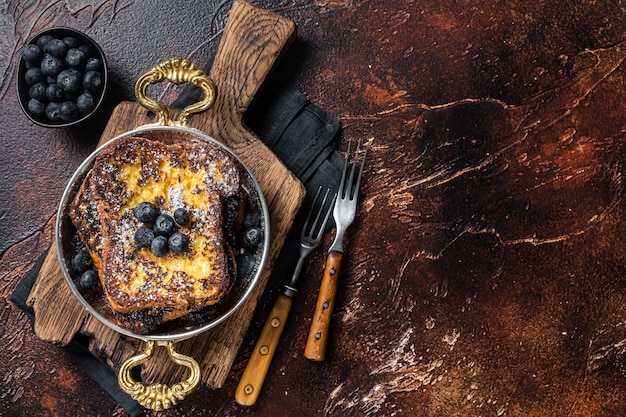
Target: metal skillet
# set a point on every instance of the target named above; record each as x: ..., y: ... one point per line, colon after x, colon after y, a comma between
x: 160, y: 396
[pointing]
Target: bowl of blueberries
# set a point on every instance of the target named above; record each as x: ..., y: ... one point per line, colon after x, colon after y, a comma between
x: 62, y: 77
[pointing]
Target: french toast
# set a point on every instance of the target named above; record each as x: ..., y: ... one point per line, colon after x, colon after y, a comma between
x: 143, y: 289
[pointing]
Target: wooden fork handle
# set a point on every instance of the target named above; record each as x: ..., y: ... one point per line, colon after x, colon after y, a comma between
x: 249, y: 387
x: 315, y: 348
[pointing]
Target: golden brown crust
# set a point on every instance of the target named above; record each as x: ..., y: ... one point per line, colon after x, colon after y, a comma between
x: 84, y: 215
x: 140, y: 287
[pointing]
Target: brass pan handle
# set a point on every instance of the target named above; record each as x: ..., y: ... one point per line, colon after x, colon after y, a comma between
x: 159, y: 396
x: 178, y: 71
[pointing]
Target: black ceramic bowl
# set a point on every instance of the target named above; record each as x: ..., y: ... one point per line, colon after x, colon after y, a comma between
x: 69, y: 90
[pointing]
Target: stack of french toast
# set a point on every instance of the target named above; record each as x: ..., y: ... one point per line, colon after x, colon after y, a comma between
x: 144, y: 287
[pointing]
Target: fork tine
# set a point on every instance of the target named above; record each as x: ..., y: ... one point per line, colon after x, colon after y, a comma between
x: 318, y: 237
x: 313, y: 232
x: 348, y: 190
x: 303, y: 232
x: 342, y: 191
x: 358, y: 180
x: 319, y: 212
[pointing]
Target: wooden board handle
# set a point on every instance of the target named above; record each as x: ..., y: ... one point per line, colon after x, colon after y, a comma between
x: 315, y: 348
x: 253, y: 40
x: 249, y: 387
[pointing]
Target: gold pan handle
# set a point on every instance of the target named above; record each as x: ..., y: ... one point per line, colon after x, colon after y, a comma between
x: 178, y: 71
x: 159, y: 396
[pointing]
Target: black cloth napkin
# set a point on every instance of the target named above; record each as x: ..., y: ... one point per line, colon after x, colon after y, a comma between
x: 302, y: 135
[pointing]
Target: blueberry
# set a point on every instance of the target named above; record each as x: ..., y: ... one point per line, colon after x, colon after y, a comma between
x: 38, y: 91
x: 56, y: 47
x: 251, y: 238
x: 34, y: 75
x: 85, y: 103
x: 144, y: 236
x: 146, y: 212
x: 89, y: 280
x: 86, y: 49
x: 32, y: 54
x: 93, y: 81
x: 43, y: 40
x: 245, y: 264
x: 69, y: 80
x: 36, y: 107
x: 53, y: 111
x: 251, y: 218
x: 93, y: 64
x: 51, y: 65
x: 75, y: 58
x: 81, y: 261
x: 71, y: 42
x: 181, y: 216
x: 69, y: 112
x: 159, y: 246
x: 54, y: 92
x: 164, y: 225
x: 178, y: 242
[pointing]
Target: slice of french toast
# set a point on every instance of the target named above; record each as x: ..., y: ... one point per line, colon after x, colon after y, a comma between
x: 84, y: 214
x: 144, y: 289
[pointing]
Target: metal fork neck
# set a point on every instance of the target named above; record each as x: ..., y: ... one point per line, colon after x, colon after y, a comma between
x: 337, y: 245
x: 290, y: 289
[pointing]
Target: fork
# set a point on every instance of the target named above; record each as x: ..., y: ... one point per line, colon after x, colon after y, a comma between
x: 249, y: 386
x: 343, y: 213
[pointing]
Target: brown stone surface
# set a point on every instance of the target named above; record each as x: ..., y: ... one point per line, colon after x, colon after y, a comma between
x: 485, y: 272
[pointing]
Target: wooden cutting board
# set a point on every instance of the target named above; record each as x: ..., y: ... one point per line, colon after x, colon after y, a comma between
x: 252, y: 41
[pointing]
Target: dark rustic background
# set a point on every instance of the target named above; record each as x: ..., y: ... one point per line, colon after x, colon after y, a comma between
x: 485, y: 274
